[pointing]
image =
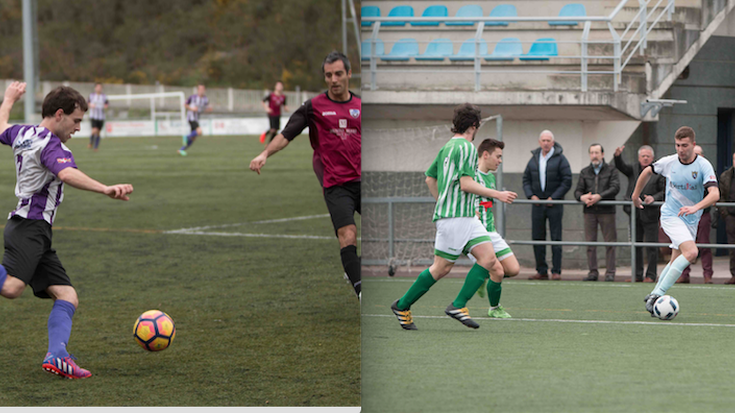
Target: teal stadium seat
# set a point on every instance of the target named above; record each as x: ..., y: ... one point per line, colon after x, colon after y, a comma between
x: 367, y: 48
x: 502, y: 10
x: 471, y: 10
x: 506, y: 49
x: 467, y: 51
x: 571, y: 10
x: 432, y: 11
x: 541, y: 49
x: 399, y: 11
x: 369, y: 11
x: 438, y: 49
x: 403, y: 50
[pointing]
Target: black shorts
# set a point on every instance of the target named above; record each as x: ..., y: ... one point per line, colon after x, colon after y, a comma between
x: 194, y: 125
x: 98, y: 123
x: 342, y: 202
x: 275, y: 122
x: 29, y: 256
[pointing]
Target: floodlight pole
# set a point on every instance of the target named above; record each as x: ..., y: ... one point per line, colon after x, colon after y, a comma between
x: 28, y: 60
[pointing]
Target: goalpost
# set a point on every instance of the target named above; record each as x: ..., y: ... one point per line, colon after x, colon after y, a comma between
x: 152, y: 98
x: 397, y: 228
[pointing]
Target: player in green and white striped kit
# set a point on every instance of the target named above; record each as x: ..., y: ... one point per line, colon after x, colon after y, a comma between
x: 490, y: 157
x: 451, y: 181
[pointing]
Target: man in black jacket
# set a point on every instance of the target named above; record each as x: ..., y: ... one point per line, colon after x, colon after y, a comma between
x: 646, y: 225
x: 727, y: 194
x: 548, y: 177
x: 598, y: 181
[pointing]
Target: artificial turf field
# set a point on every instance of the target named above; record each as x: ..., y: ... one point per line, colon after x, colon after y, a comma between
x: 247, y: 265
x: 570, y: 347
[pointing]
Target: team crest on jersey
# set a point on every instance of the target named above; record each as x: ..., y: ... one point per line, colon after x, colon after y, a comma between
x: 694, y: 174
x: 355, y: 113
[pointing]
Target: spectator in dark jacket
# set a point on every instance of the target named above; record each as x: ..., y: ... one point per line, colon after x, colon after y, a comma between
x: 547, y: 177
x: 727, y: 194
x: 598, y: 181
x: 646, y: 223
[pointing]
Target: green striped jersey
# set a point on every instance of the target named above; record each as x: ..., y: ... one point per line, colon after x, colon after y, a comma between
x: 456, y: 159
x: 485, y: 205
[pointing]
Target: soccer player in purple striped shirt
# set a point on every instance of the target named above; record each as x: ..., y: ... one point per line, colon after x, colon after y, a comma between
x: 43, y: 164
x: 195, y: 105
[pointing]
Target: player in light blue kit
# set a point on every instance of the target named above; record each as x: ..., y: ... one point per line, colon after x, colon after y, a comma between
x: 687, y: 177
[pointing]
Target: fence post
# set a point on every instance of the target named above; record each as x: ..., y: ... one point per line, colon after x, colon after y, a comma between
x: 391, y: 236
x: 478, y: 66
x: 373, y: 60
x: 585, y: 37
x: 501, y: 206
x: 230, y: 99
x: 633, y: 211
x: 616, y: 56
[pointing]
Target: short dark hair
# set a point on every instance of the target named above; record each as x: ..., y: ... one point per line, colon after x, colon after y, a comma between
x: 65, y: 98
x: 489, y: 145
x: 466, y: 116
x: 333, y: 57
x: 684, y: 132
x: 596, y: 144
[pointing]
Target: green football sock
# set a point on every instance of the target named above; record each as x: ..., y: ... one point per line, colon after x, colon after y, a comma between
x: 418, y: 288
x: 474, y: 280
x: 493, y: 292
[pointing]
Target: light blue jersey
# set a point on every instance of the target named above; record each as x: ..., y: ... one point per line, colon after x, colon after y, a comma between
x: 685, y: 185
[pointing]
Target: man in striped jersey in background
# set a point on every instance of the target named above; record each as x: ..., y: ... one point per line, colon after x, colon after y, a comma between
x: 451, y: 182
x: 43, y: 164
x: 98, y: 103
x: 195, y: 105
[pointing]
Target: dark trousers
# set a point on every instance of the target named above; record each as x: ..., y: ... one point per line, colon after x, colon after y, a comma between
x: 607, y: 225
x: 730, y: 229
x: 646, y: 232
x: 705, y: 254
x: 539, y: 215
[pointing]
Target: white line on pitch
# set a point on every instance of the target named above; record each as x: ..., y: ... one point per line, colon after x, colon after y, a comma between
x: 175, y: 231
x: 565, y: 284
x: 239, y: 234
x: 551, y: 320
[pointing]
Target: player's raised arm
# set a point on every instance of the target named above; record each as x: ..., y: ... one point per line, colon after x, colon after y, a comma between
x: 639, y: 184
x: 12, y: 94
x: 80, y: 180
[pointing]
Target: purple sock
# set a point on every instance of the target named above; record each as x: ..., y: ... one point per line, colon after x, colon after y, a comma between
x: 59, y: 327
x: 3, y: 276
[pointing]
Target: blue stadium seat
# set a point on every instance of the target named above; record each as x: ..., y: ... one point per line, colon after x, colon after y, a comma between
x: 471, y: 10
x: 438, y: 49
x: 570, y: 10
x: 366, y: 49
x: 402, y: 50
x: 432, y: 11
x: 369, y: 11
x: 541, y: 49
x: 502, y: 10
x: 506, y: 49
x: 467, y: 51
x: 399, y: 11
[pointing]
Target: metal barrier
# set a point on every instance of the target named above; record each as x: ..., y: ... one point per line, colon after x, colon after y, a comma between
x: 618, y: 58
x: 500, y: 225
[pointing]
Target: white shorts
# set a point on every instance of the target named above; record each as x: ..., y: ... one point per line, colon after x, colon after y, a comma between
x: 456, y: 235
x: 678, y: 231
x: 502, y: 250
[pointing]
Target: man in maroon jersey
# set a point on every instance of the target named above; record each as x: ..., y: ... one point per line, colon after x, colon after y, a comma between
x: 272, y: 105
x: 333, y: 119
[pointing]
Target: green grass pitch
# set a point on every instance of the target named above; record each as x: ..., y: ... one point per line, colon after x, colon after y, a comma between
x: 570, y: 347
x: 263, y: 319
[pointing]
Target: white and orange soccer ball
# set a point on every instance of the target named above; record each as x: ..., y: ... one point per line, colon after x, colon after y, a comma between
x: 154, y: 330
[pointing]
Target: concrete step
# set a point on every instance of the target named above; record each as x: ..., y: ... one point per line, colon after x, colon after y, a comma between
x: 687, y: 15
x: 630, y: 82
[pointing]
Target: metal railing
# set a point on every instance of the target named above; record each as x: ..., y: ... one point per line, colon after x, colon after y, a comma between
x: 500, y: 226
x: 637, y: 41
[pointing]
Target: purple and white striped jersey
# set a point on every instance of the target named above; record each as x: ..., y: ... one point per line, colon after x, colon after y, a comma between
x: 99, y: 101
x: 200, y: 102
x: 39, y: 157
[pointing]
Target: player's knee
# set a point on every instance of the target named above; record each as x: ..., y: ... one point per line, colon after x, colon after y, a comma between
x: 511, y: 269
x: 691, y: 255
x: 347, y: 236
x: 488, y: 262
x: 12, y: 290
